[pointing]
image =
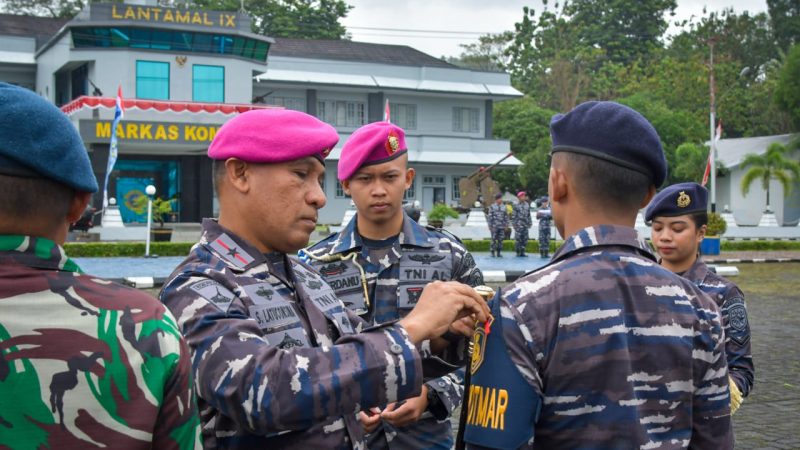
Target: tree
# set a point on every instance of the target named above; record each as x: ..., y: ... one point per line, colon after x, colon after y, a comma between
x: 47, y: 8
x: 787, y: 92
x: 785, y: 18
x: 488, y: 54
x: 305, y: 19
x: 527, y: 126
x: 776, y: 164
x: 690, y: 160
x: 626, y: 30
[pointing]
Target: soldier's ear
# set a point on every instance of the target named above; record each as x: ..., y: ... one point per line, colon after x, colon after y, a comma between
x: 346, y: 186
x: 236, y: 173
x: 410, y: 174
x: 78, y: 205
x: 558, y: 186
x: 651, y: 192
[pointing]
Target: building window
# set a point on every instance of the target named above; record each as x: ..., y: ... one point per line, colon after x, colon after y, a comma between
x: 410, y: 193
x: 466, y: 120
x: 433, y: 179
x: 295, y: 103
x: 456, y: 195
x: 340, y: 190
x: 340, y: 113
x: 404, y: 116
x: 208, y: 83
x: 152, y: 80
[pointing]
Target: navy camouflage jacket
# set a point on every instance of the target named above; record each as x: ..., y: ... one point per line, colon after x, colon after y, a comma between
x: 279, y: 362
x: 734, y: 319
x: 395, y: 279
x: 611, y: 350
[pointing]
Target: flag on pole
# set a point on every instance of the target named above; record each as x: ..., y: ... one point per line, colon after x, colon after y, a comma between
x: 387, y: 113
x: 119, y: 113
x: 717, y: 137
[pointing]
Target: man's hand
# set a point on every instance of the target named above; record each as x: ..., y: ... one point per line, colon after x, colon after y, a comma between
x: 441, y: 304
x: 370, y: 420
x: 407, y: 412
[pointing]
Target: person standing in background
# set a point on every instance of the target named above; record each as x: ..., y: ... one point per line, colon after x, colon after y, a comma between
x: 498, y: 222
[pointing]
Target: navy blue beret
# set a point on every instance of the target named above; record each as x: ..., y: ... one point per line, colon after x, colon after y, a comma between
x: 614, y: 133
x: 677, y: 200
x: 38, y: 140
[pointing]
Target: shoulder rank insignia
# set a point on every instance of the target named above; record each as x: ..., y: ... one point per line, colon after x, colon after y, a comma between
x: 479, y: 344
x: 392, y: 143
x: 683, y: 200
x: 426, y: 259
x: 230, y: 251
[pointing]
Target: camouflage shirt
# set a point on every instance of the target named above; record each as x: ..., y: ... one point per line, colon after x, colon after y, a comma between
x: 84, y: 362
x: 497, y: 216
x: 521, y: 217
x: 617, y: 351
x: 396, y: 275
x: 734, y: 319
x: 279, y: 362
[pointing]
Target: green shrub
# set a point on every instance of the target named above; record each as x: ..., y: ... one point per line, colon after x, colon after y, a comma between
x: 716, y: 225
x: 111, y: 249
x: 440, y: 211
x: 729, y: 246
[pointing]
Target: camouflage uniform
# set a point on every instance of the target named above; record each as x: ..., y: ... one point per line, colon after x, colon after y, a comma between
x: 86, y: 362
x: 545, y: 222
x: 396, y: 276
x: 611, y: 351
x: 498, y: 222
x: 279, y: 361
x: 734, y: 319
x: 522, y: 221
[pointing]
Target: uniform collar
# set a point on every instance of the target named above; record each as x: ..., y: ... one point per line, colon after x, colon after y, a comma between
x: 37, y: 252
x: 697, y: 272
x: 603, y: 236
x: 412, y: 234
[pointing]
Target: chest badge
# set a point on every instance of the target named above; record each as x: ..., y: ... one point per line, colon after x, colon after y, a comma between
x: 683, y: 200
x: 479, y: 344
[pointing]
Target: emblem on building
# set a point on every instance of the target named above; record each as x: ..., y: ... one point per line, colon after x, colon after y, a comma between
x: 683, y: 200
x: 392, y: 143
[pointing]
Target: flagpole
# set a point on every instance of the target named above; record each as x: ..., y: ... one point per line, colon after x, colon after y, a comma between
x: 712, y: 121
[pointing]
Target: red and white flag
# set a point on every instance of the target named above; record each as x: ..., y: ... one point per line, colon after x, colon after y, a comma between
x: 387, y: 113
x: 707, y: 173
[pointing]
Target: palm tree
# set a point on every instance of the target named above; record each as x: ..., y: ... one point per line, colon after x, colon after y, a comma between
x: 775, y: 163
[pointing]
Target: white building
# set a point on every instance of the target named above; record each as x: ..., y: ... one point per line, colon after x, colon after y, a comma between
x: 183, y: 73
x: 747, y: 210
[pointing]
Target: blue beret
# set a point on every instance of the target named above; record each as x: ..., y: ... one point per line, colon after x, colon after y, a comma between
x: 677, y: 200
x: 38, y: 140
x: 614, y: 133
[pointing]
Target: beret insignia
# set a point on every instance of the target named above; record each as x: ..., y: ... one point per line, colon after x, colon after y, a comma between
x: 325, y: 152
x: 392, y: 143
x: 683, y: 200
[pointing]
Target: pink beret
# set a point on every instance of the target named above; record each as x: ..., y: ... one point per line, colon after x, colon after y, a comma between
x: 273, y: 136
x: 520, y: 193
x: 373, y: 143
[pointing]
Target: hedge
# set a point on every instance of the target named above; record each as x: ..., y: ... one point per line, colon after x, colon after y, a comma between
x: 107, y: 249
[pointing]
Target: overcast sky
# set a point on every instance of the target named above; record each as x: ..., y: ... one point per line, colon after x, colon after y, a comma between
x: 462, y: 21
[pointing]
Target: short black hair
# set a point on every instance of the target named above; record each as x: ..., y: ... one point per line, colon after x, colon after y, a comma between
x: 34, y: 198
x: 218, y: 171
x: 699, y: 218
x: 609, y: 186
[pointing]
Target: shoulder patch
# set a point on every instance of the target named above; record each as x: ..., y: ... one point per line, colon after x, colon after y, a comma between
x: 739, y: 328
x: 450, y: 235
x: 214, y: 292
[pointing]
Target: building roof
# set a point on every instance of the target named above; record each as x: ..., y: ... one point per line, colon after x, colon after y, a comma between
x: 345, y: 50
x: 41, y: 28
x: 731, y: 152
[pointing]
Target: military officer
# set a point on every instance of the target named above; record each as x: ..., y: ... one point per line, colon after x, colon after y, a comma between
x: 679, y: 220
x: 601, y: 348
x: 279, y: 361
x: 521, y: 219
x: 398, y: 257
x: 545, y: 222
x: 498, y: 222
x: 84, y: 362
